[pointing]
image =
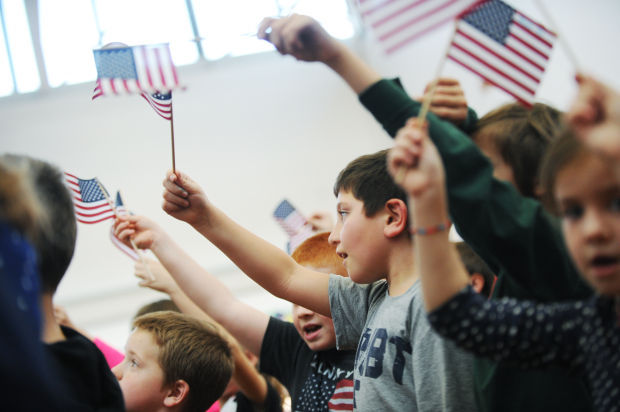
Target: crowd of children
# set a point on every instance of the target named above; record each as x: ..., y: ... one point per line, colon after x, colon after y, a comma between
x: 388, y: 313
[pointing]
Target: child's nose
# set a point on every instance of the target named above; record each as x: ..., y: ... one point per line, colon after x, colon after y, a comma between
x: 595, y: 227
x: 333, y: 236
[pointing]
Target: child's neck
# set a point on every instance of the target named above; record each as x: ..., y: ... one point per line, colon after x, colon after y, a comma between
x: 51, y: 329
x: 402, y: 272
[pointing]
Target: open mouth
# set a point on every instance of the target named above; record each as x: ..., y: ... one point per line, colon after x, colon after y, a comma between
x: 605, y: 265
x: 311, y: 331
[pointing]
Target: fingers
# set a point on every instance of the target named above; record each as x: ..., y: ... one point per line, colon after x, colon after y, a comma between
x: 264, y: 29
x: 174, y: 194
x: 444, y: 82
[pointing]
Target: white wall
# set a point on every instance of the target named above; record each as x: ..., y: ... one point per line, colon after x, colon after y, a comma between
x: 252, y: 131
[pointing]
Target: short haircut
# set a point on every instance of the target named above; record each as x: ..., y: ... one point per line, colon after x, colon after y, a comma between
x: 474, y: 264
x: 521, y: 136
x: 157, y: 306
x: 368, y: 179
x: 191, y: 350
x: 317, y: 252
x: 54, y: 243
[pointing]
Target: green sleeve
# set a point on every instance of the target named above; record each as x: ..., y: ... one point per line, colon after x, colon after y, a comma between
x: 513, y: 234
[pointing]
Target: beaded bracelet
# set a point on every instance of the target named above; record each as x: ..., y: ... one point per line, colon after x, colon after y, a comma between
x: 431, y: 229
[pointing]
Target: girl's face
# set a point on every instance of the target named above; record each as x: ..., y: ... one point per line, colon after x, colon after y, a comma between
x: 587, y: 192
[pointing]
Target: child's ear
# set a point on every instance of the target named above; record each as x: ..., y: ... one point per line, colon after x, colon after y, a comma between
x: 397, y: 220
x: 177, y: 393
x: 477, y: 281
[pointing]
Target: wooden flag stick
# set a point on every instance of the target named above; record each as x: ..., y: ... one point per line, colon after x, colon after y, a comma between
x: 569, y: 51
x: 172, y: 138
x: 426, y: 103
x: 133, y: 245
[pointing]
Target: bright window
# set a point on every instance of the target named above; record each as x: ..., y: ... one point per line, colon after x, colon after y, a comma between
x: 20, y: 45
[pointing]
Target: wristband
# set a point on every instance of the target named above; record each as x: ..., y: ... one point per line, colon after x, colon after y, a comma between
x: 430, y: 229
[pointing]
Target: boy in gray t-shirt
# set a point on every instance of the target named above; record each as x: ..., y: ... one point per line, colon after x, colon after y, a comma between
x: 401, y: 364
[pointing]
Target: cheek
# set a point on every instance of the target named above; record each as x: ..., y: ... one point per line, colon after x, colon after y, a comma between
x: 572, y: 238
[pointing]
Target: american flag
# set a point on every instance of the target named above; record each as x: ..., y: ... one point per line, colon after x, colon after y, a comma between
x: 161, y: 102
x: 504, y: 47
x: 342, y: 399
x: 89, y: 199
x: 396, y: 23
x: 137, y: 69
x: 121, y: 210
x: 289, y: 218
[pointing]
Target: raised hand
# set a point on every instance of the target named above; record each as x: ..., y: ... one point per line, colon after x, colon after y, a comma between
x: 184, y: 198
x: 448, y: 100
x: 414, y: 161
x: 595, y: 116
x: 161, y: 280
x: 299, y: 36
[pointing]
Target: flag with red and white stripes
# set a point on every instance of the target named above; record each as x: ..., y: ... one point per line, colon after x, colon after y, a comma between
x: 161, y: 103
x: 137, y: 69
x: 395, y: 23
x: 121, y: 210
x: 342, y: 399
x: 504, y: 47
x: 89, y: 199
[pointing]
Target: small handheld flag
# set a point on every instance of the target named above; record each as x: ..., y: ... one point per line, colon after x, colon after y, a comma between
x: 161, y: 103
x: 137, y: 69
x: 90, y: 201
x: 396, y: 23
x: 121, y: 210
x: 294, y: 224
x: 504, y: 47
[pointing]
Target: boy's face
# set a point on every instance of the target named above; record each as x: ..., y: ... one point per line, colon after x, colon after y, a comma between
x: 588, y: 195
x: 139, y: 375
x: 315, y: 329
x: 360, y: 240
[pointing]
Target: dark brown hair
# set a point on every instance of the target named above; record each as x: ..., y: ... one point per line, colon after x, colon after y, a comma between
x: 521, y: 136
x: 474, y: 264
x: 367, y: 178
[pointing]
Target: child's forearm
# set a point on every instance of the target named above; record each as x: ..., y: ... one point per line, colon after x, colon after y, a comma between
x: 436, y: 258
x: 266, y: 264
x: 210, y: 296
x: 353, y: 70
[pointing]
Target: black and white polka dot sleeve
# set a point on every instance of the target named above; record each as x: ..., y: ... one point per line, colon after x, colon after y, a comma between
x: 518, y: 332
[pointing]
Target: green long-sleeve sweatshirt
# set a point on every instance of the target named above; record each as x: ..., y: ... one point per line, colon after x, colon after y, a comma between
x: 519, y: 240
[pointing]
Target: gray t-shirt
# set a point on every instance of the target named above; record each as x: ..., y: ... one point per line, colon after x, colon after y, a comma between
x: 401, y: 363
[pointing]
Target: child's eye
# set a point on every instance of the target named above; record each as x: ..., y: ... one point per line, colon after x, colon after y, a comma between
x: 572, y: 212
x: 342, y: 214
x: 133, y: 363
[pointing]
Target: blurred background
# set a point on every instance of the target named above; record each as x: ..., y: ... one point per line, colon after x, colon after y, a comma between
x: 252, y: 127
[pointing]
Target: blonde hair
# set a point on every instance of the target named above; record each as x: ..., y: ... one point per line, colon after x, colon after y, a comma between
x: 317, y: 252
x: 191, y: 350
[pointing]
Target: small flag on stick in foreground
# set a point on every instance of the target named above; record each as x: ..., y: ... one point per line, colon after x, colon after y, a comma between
x: 504, y: 47
x: 396, y: 23
x: 90, y: 202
